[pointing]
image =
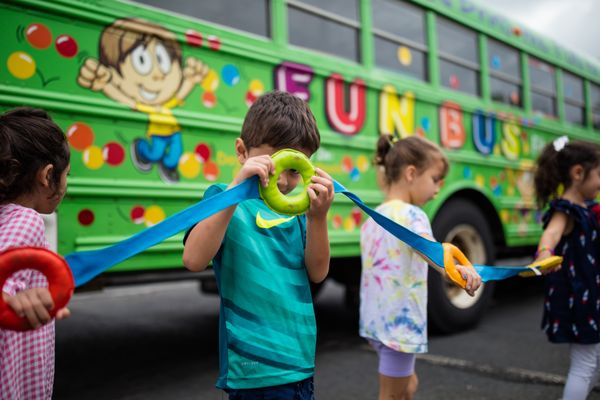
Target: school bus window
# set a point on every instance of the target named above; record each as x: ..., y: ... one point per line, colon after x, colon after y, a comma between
x: 595, y: 94
x: 574, y: 99
x: 319, y: 28
x: 399, y: 36
x: 250, y: 16
x: 459, y: 57
x: 543, y: 87
x: 505, y: 73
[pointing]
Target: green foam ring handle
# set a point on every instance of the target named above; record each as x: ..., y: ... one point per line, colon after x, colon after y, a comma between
x: 280, y: 203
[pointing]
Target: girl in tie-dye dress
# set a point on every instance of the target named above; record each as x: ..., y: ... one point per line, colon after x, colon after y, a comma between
x: 572, y: 301
x: 393, y: 293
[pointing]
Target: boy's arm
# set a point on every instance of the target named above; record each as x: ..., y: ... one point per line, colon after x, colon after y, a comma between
x: 206, y: 237
x: 204, y: 240
x: 316, y: 254
x: 193, y: 74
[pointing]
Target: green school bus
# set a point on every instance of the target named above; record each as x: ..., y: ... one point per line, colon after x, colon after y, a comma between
x: 152, y: 94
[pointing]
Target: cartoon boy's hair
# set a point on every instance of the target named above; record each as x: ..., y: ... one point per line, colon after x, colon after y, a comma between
x: 120, y: 38
x: 281, y: 120
x: 395, y: 155
x: 554, y: 167
x: 29, y: 140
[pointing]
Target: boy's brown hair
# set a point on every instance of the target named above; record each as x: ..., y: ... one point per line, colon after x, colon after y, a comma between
x: 281, y: 120
x: 120, y: 38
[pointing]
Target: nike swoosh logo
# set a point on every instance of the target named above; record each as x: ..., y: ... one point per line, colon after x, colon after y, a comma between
x: 269, y: 223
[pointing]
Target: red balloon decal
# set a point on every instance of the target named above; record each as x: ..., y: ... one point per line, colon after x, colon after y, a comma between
x: 193, y: 38
x: 38, y: 36
x: 203, y: 151
x: 85, y: 217
x: 137, y: 214
x: 66, y: 46
x: 113, y: 153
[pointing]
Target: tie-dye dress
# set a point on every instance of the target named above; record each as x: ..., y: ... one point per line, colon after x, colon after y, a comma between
x: 393, y: 290
x: 572, y: 302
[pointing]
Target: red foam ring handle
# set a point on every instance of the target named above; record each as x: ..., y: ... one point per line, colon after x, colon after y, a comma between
x: 60, y: 280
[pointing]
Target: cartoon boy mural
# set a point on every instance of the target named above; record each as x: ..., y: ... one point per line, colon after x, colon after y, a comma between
x: 140, y: 65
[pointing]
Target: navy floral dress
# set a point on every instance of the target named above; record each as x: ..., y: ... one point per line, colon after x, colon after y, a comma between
x: 572, y: 303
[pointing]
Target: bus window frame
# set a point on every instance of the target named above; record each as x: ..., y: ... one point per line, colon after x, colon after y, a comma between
x: 330, y: 17
x: 533, y: 89
x: 580, y: 104
x: 404, y: 41
x: 504, y: 77
x: 457, y: 61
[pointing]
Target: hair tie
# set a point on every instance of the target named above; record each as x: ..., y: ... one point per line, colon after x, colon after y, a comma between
x: 560, y: 143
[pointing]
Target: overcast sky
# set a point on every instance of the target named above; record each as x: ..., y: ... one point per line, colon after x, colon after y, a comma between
x: 572, y: 23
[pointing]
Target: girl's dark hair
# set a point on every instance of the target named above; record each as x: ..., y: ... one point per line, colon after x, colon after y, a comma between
x: 395, y: 155
x: 29, y: 140
x: 280, y: 120
x: 553, y: 167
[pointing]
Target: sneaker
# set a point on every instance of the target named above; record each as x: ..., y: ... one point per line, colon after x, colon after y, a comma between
x: 168, y: 175
x: 140, y: 163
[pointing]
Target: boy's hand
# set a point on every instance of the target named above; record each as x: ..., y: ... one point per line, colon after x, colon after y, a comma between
x: 471, y: 276
x: 34, y: 305
x: 263, y: 166
x: 195, y: 71
x: 321, y: 194
x: 93, y: 75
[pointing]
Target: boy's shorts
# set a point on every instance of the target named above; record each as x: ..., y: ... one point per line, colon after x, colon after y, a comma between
x: 303, y: 390
x: 392, y: 363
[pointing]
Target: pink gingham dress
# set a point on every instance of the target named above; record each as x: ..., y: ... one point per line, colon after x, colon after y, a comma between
x: 26, y: 358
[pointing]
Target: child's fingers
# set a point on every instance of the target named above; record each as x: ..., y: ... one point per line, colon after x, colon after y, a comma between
x: 40, y: 301
x: 63, y: 313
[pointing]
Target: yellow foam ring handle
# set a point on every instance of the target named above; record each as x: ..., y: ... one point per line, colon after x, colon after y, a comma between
x: 542, y: 265
x: 451, y: 253
x: 290, y: 205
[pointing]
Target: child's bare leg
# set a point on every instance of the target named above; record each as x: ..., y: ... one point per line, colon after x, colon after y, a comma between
x: 397, y: 388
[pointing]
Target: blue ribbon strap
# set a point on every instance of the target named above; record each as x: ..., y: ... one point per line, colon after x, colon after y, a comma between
x: 88, y: 264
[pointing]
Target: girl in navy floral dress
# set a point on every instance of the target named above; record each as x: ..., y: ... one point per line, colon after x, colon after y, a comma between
x: 568, y: 178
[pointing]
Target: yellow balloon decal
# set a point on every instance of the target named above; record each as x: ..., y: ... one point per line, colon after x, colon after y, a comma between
x: 349, y: 224
x: 256, y: 87
x: 189, y: 165
x: 362, y: 163
x: 211, y: 81
x: 93, y: 157
x: 153, y: 215
x: 21, y: 65
x: 404, y: 55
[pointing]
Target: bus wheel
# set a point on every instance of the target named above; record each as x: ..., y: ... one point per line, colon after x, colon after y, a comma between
x: 450, y: 308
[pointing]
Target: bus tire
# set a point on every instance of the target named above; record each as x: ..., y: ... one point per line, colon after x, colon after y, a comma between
x: 464, y: 224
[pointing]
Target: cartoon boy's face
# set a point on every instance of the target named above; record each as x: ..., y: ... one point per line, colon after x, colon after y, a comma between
x: 149, y: 74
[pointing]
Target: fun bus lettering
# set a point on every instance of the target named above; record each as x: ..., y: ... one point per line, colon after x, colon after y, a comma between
x: 345, y: 109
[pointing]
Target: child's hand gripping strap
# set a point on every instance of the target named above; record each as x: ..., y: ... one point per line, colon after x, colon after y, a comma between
x: 452, y: 253
x: 290, y: 205
x: 53, y: 266
x: 542, y: 265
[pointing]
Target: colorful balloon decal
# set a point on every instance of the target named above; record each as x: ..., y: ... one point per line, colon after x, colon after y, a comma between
x: 193, y: 38
x: 66, y: 46
x: 230, y: 75
x: 189, y: 165
x: 21, y: 65
x: 153, y: 215
x: 38, y: 36
x: 137, y: 214
x: 86, y: 217
x: 81, y: 138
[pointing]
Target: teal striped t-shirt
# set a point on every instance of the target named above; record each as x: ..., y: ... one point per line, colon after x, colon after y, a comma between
x: 267, y: 328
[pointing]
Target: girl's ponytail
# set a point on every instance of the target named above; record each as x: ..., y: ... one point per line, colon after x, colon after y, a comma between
x: 384, y: 145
